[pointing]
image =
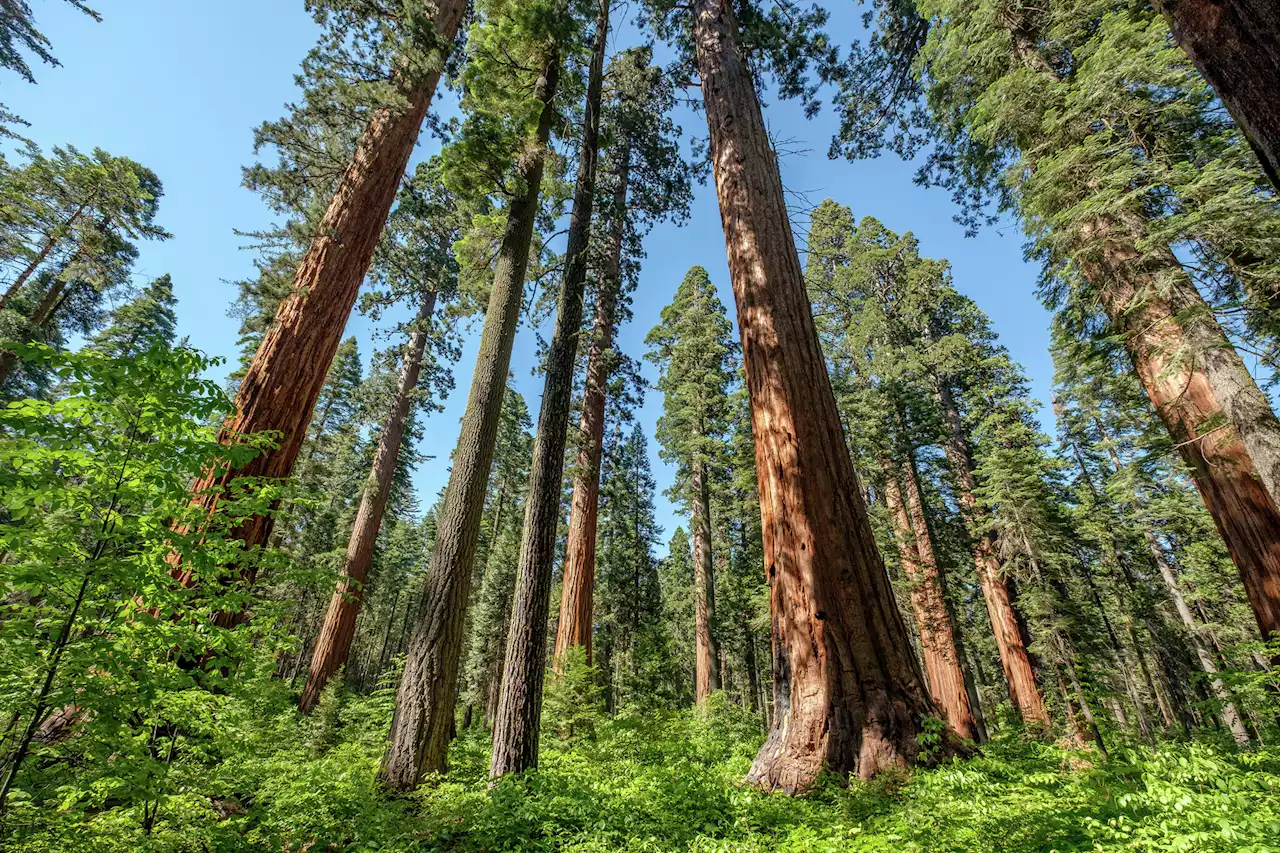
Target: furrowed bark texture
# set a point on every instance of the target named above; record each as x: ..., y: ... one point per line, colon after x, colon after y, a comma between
x: 1005, y: 621
x: 1236, y: 46
x: 423, y: 720
x: 577, y: 596
x: 339, y: 627
x: 937, y: 634
x: 849, y: 695
x: 1206, y: 398
x: 280, y: 388
x: 517, y: 724
x: 707, y: 657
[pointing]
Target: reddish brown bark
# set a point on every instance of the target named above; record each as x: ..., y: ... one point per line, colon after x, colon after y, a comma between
x: 707, y: 653
x: 577, y: 595
x: 1195, y: 380
x: 425, y: 699
x: 279, y: 390
x: 1005, y: 622
x: 518, y: 723
x: 849, y: 696
x: 1236, y: 46
x: 937, y: 634
x: 334, y: 642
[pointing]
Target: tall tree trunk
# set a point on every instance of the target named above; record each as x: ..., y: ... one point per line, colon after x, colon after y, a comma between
x: 50, y: 301
x: 428, y: 688
x: 1005, y: 622
x: 849, y: 695
x: 55, y: 237
x: 1236, y: 46
x: 577, y: 596
x: 334, y: 642
x: 919, y: 564
x: 707, y: 655
x: 279, y: 390
x: 516, y: 728
x: 1222, y: 424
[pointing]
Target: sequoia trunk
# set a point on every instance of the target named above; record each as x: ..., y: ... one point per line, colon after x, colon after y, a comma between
x: 849, y: 696
x: 1005, y: 622
x: 516, y: 727
x: 423, y: 720
x: 1211, y: 406
x: 281, y: 386
x: 937, y: 634
x: 334, y: 642
x: 1236, y: 46
x: 577, y: 597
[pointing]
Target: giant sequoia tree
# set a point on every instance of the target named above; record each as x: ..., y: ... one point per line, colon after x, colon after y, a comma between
x: 849, y: 694
x: 382, y: 60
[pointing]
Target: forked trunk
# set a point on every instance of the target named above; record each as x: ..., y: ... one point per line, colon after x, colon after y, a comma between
x: 849, y: 696
x: 423, y: 719
x: 517, y: 725
x: 577, y: 596
x: 1220, y: 421
x: 334, y: 642
x: 1236, y: 46
x: 937, y: 634
x: 279, y: 390
x: 1005, y: 622
x: 707, y: 655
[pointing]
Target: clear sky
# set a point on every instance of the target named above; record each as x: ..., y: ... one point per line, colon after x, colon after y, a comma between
x: 179, y: 87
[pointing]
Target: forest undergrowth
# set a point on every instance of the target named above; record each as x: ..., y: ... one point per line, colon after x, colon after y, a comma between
x: 660, y: 781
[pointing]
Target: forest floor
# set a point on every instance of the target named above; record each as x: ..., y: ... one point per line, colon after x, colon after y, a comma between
x: 664, y: 782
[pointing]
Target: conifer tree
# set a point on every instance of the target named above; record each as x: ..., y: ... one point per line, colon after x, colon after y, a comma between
x: 695, y: 355
x: 497, y: 96
x: 147, y: 319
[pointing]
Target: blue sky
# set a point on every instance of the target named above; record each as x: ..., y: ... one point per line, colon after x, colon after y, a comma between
x: 179, y: 87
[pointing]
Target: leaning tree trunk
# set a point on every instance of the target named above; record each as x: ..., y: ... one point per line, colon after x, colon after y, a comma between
x: 1220, y: 421
x: 577, y: 596
x: 849, y: 695
x: 937, y: 633
x: 423, y: 720
x: 279, y: 390
x: 334, y: 642
x: 707, y: 657
x: 1005, y: 622
x: 1236, y: 46
x: 50, y: 301
x: 517, y: 725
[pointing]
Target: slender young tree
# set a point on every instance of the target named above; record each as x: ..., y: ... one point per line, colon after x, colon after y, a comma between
x: 643, y: 180
x: 694, y: 352
x: 518, y: 723
x: 425, y: 699
x: 406, y: 42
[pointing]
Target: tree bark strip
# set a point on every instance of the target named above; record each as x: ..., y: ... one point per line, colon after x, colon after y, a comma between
x: 849, y: 695
x: 577, y: 597
x: 516, y: 727
x: 334, y: 642
x: 707, y: 653
x: 423, y: 720
x: 1236, y: 46
x: 279, y: 390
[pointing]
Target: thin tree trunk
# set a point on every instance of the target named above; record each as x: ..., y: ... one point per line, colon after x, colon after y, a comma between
x: 49, y: 303
x: 334, y: 642
x: 56, y: 236
x: 849, y: 696
x: 919, y: 564
x: 279, y: 390
x: 428, y: 689
x: 707, y: 655
x: 1005, y: 623
x: 517, y: 726
x: 1236, y: 46
x: 577, y: 597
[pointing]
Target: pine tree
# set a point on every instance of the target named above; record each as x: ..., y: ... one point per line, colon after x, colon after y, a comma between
x: 147, y: 319
x: 695, y: 355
